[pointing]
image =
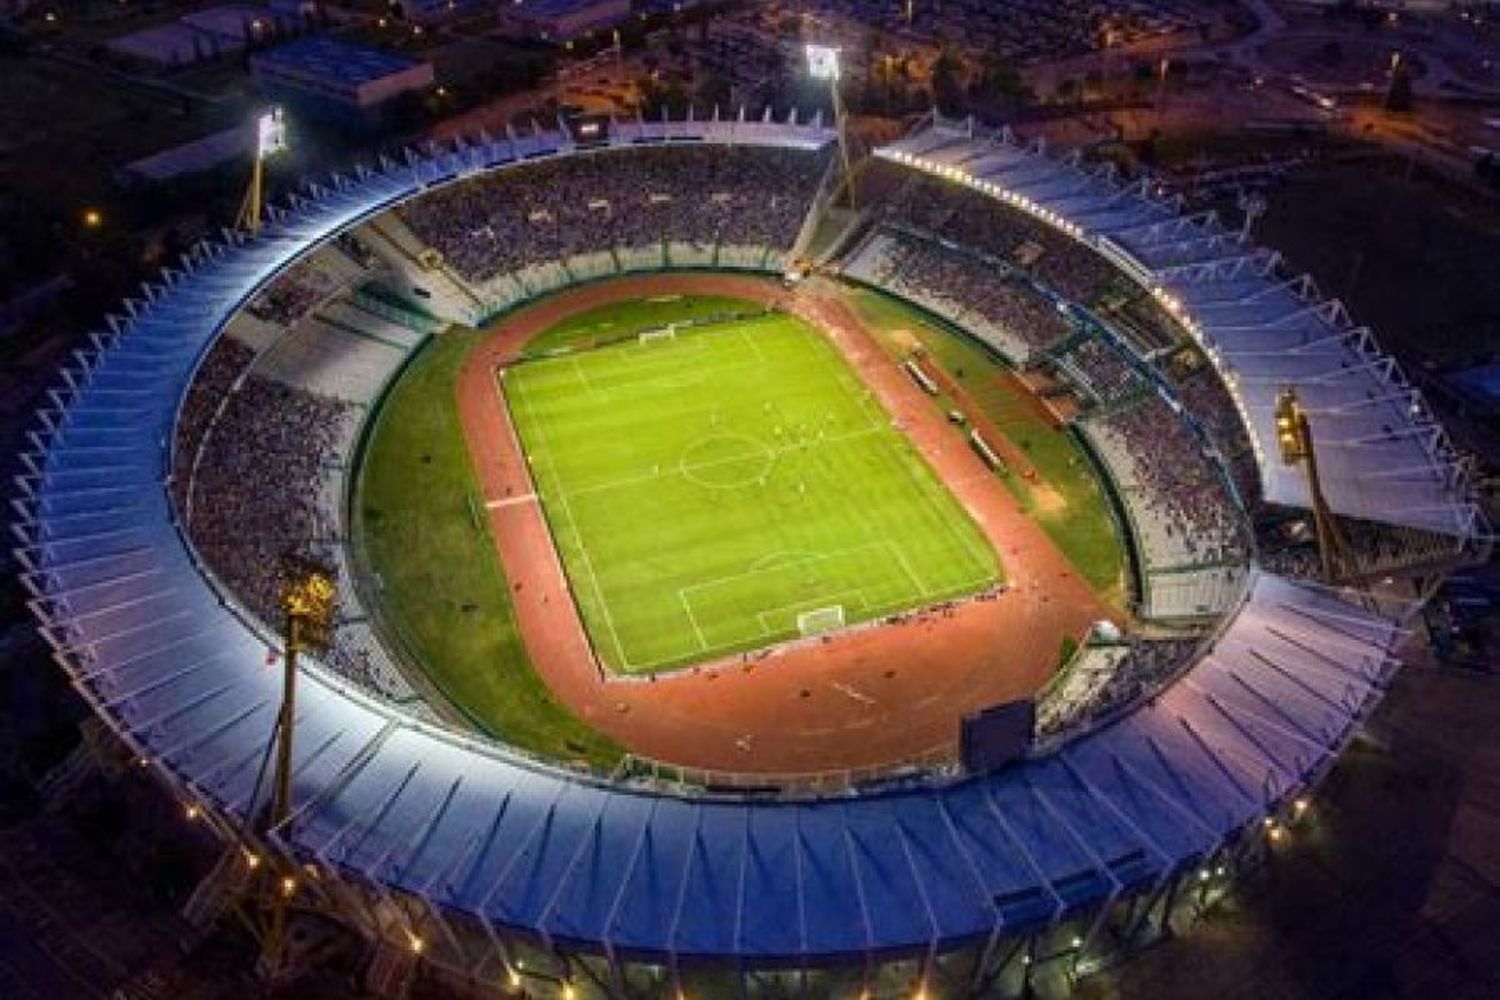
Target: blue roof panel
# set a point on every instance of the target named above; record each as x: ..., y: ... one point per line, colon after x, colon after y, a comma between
x: 335, y: 60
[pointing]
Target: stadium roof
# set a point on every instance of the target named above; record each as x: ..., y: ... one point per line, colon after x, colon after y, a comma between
x: 474, y: 829
x: 1382, y: 456
x: 321, y: 57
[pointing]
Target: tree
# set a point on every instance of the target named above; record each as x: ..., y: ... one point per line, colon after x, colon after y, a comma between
x: 662, y: 95
x: 999, y: 82
x: 1399, y: 96
x: 714, y: 91
x: 947, y: 88
x: 1093, y: 83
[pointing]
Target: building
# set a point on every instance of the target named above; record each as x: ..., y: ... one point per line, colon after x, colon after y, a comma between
x: 204, y: 34
x: 192, y: 157
x: 347, y: 84
x: 561, y: 20
x: 432, y: 12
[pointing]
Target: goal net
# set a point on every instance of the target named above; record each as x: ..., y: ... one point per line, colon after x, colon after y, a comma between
x: 821, y: 620
x: 663, y: 333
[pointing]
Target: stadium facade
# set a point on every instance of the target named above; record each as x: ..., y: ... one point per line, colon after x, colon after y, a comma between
x: 492, y: 869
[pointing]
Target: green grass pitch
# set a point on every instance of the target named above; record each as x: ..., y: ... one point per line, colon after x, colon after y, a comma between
x: 706, y: 490
x: 442, y: 588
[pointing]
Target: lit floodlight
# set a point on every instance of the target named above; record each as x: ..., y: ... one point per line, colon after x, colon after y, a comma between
x: 823, y: 62
x: 270, y: 133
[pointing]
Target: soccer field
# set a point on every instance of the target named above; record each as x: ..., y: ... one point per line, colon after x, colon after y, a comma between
x: 709, y: 490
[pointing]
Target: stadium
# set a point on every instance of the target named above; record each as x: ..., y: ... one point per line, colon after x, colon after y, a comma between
x: 739, y: 594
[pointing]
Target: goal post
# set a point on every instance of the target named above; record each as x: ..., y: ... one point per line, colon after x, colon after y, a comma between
x: 820, y: 620
x: 668, y: 332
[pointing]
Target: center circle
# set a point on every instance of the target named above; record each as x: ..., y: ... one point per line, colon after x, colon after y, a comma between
x: 726, y: 461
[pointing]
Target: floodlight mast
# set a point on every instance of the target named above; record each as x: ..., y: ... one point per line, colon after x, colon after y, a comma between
x: 1294, y: 439
x: 823, y: 64
x: 308, y: 599
x: 270, y: 139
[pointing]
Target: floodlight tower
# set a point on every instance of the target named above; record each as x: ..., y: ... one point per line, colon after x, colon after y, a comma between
x: 823, y: 64
x: 1295, y: 440
x: 270, y: 139
x: 307, y: 605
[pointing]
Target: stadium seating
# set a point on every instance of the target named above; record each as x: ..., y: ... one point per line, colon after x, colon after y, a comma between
x: 684, y: 203
x: 963, y: 287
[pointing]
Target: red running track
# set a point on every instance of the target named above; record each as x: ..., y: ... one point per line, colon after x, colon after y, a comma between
x: 869, y: 697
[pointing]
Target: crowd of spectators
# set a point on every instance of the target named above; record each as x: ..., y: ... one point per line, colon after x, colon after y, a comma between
x: 1143, y: 321
x: 254, y: 464
x: 1176, y: 489
x: 225, y: 362
x: 964, y: 216
x: 965, y: 284
x: 294, y: 294
x: 1207, y: 399
x: 1100, y: 370
x: 1104, y: 680
x: 258, y: 488
x: 552, y: 209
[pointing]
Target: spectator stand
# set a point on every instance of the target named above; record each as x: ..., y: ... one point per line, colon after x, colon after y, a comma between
x: 1383, y: 456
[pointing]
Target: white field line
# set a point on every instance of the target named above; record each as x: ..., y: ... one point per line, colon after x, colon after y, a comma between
x: 879, y: 421
x: 583, y: 376
x: 932, y: 505
x: 911, y: 574
x: 912, y: 464
x: 826, y: 600
x: 843, y: 367
x: 818, y: 557
x: 774, y: 454
x: 688, y: 607
x: 588, y: 563
x: 745, y: 335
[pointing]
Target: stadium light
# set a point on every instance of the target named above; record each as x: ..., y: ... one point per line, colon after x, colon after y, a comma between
x: 270, y: 133
x: 822, y: 62
x: 270, y: 139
